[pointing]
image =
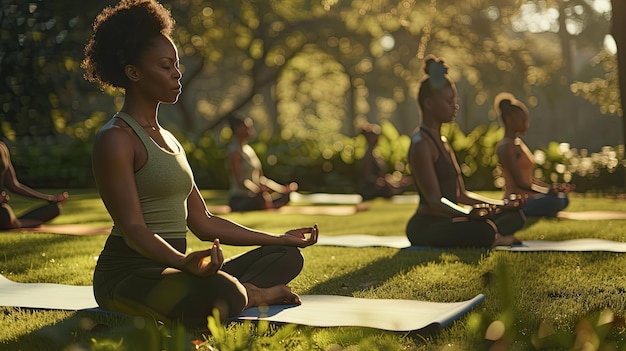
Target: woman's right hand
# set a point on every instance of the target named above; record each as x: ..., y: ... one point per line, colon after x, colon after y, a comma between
x: 197, y: 264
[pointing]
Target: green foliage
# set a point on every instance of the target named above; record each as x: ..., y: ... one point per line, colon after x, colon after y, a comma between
x: 255, y: 337
x: 42, y: 91
x: 603, y: 91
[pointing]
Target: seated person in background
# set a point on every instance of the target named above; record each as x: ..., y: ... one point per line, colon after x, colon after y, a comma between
x: 447, y: 214
x: 250, y: 190
x: 376, y: 182
x: 32, y: 218
x: 518, y: 164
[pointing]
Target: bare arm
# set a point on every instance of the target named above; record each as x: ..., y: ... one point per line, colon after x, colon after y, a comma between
x: 12, y: 184
x: 208, y: 227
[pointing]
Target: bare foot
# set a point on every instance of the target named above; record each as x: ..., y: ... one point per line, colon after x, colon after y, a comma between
x: 506, y: 240
x: 275, y: 295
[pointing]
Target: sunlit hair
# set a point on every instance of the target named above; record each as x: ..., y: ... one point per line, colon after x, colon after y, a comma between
x: 435, y: 80
x: 506, y: 104
x: 121, y: 34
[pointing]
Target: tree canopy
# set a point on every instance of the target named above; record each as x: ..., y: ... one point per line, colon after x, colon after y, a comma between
x: 302, y: 68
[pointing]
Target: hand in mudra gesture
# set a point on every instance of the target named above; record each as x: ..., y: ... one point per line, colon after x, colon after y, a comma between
x: 197, y: 263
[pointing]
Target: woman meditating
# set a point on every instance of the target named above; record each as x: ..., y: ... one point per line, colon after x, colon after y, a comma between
x: 447, y: 214
x: 31, y: 218
x: 518, y: 164
x: 147, y: 186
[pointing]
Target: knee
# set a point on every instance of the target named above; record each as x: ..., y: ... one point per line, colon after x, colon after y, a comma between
x: 294, y: 257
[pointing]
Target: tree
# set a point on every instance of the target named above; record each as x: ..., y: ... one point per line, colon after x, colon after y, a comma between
x: 42, y: 91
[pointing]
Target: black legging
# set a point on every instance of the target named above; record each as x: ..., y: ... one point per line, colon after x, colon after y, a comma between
x: 45, y: 213
x: 126, y: 282
x: 436, y: 231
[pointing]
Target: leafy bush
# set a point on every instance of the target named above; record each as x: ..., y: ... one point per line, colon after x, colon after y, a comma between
x: 64, y: 160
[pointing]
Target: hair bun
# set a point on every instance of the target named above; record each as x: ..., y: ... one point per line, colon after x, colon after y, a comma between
x: 504, y: 102
x: 436, y: 69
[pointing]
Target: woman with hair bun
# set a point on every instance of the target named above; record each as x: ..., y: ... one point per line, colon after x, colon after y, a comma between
x: 518, y: 164
x: 148, y: 188
x: 448, y: 215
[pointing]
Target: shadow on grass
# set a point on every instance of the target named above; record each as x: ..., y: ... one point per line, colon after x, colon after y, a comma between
x: 87, y: 330
x: 377, y: 272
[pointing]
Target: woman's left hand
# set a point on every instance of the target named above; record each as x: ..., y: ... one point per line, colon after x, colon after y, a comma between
x: 298, y: 237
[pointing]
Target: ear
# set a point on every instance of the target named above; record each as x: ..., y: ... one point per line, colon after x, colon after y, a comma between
x: 132, y: 73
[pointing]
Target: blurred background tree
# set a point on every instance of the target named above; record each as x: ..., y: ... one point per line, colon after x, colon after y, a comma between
x: 310, y: 73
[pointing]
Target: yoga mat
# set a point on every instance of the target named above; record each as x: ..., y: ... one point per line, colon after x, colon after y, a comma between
x: 566, y: 245
x: 316, y: 310
x: 386, y: 314
x: 405, y: 199
x: 364, y: 240
x: 592, y: 215
x: 331, y: 210
x: 46, y: 295
x: 70, y: 229
x: 324, y: 198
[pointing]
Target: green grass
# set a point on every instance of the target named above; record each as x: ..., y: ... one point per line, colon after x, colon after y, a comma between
x: 542, y: 300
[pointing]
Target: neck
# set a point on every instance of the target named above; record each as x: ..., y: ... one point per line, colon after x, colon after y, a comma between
x: 145, y: 114
x: 510, y: 134
x: 432, y: 126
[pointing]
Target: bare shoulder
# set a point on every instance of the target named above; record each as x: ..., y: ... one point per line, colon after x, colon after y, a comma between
x: 115, y: 139
x: 113, y: 133
x: 421, y: 147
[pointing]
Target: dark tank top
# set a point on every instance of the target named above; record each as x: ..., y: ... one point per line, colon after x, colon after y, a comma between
x: 446, y: 171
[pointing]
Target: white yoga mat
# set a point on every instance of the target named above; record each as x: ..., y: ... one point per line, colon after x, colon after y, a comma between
x: 592, y: 215
x: 336, y: 311
x: 324, y: 198
x: 566, y: 245
x: 316, y: 310
x: 364, y: 240
x: 45, y: 295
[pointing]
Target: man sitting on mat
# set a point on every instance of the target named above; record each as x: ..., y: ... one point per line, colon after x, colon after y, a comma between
x: 32, y: 218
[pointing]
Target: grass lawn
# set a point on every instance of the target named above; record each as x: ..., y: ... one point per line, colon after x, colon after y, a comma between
x: 540, y: 300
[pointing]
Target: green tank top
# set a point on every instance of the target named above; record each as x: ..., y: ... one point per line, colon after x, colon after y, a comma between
x: 163, y: 184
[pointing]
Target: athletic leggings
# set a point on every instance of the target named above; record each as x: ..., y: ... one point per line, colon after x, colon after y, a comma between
x: 126, y: 282
x: 8, y: 219
x: 545, y: 205
x: 424, y: 230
